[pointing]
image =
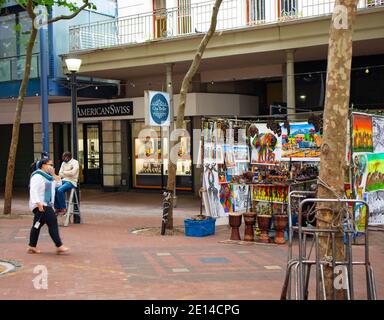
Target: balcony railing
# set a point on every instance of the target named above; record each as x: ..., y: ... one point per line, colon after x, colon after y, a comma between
x: 12, y: 68
x: 175, y: 22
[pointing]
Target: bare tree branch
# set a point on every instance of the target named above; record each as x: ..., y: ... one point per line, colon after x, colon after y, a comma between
x: 68, y: 17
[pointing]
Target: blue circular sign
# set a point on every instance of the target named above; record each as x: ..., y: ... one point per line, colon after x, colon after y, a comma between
x: 159, y: 108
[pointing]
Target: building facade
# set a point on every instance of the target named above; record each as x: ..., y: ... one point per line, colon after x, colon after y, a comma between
x: 264, y: 53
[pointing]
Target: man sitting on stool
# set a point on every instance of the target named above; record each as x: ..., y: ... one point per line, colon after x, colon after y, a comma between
x: 69, y: 173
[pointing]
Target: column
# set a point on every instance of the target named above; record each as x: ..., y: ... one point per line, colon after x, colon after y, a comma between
x: 291, y: 104
x: 111, y: 155
x: 38, y: 141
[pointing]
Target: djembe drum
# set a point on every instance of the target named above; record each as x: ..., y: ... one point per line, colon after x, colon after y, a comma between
x: 250, y: 221
x: 235, y: 223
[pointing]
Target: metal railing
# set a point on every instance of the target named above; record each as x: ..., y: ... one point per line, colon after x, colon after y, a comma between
x: 12, y: 68
x: 174, y: 22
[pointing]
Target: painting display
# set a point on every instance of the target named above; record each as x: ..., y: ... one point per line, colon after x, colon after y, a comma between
x: 212, y: 185
x: 265, y: 144
x: 378, y: 134
x: 360, y: 172
x: 362, y: 133
x: 302, y: 143
x: 229, y: 156
x: 375, y: 202
x: 241, y: 153
x: 226, y: 197
x: 375, y: 177
x: 240, y: 196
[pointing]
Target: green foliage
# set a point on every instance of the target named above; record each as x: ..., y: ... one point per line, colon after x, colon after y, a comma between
x: 72, y: 6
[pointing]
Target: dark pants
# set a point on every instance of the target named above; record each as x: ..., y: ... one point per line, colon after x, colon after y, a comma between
x: 47, y: 217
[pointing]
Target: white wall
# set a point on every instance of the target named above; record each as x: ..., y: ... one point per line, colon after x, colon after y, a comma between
x: 198, y: 104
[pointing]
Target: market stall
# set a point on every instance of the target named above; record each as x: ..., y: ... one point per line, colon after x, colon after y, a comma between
x: 251, y: 166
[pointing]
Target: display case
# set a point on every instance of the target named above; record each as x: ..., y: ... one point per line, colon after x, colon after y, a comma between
x: 151, y: 165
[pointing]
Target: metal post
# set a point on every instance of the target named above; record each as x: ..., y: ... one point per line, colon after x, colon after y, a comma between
x: 74, y: 116
x: 44, y: 89
x: 75, y: 147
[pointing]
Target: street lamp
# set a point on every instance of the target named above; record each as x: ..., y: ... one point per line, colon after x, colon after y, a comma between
x: 73, y: 66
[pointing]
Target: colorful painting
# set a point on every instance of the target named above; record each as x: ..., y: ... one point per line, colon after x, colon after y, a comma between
x: 226, y: 197
x: 378, y: 134
x: 241, y: 153
x: 240, y: 196
x: 360, y: 216
x: 375, y: 177
x: 302, y: 144
x: 270, y: 193
x: 360, y: 172
x: 362, y: 133
x: 375, y: 202
x: 265, y: 144
x: 229, y: 156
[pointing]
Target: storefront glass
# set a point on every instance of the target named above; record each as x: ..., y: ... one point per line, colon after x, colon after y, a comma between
x: 150, y: 164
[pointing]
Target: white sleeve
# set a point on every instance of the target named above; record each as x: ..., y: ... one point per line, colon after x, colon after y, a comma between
x: 35, y: 189
x: 75, y: 170
x: 61, y: 172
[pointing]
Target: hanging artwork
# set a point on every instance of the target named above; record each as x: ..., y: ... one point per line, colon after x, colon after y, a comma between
x: 265, y: 144
x: 241, y: 153
x: 212, y: 185
x: 222, y: 174
x: 360, y: 216
x: 226, y: 197
x: 375, y: 177
x: 302, y: 143
x: 375, y: 202
x: 219, y: 154
x: 209, y: 153
x: 362, y: 133
x: 270, y: 193
x: 240, y: 196
x: 229, y: 156
x: 360, y: 172
x: 378, y: 134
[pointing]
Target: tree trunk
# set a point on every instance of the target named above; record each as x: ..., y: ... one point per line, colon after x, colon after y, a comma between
x: 183, y: 97
x: 16, y: 125
x: 336, y: 111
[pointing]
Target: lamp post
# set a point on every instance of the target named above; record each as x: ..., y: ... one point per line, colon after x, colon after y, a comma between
x: 73, y: 66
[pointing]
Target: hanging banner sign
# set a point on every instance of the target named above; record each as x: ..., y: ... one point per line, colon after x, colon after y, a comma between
x: 157, y: 108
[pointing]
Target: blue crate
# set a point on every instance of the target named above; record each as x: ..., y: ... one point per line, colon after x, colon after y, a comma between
x: 199, y: 228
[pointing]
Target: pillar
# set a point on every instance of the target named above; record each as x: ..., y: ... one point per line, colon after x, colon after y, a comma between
x: 290, y: 88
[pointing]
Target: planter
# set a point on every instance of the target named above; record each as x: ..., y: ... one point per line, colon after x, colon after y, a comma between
x: 250, y: 221
x: 280, y: 222
x: 263, y: 222
x: 199, y: 228
x: 235, y: 223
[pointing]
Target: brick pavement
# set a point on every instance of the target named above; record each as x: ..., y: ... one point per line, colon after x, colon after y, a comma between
x: 107, y: 261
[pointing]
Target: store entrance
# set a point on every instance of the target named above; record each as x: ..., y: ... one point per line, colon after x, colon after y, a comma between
x: 92, y: 153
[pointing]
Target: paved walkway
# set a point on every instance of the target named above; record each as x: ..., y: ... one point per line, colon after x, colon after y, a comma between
x: 108, y: 261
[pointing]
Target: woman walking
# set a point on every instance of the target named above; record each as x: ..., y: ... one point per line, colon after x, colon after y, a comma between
x: 42, y: 194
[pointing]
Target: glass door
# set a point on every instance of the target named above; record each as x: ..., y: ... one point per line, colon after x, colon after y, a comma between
x: 92, y: 154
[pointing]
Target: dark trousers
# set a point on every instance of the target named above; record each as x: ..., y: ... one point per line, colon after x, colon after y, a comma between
x: 47, y: 217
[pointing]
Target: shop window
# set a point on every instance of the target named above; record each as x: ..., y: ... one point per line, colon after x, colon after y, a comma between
x: 150, y: 164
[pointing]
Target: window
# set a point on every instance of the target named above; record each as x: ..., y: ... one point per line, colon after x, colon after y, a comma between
x: 160, y: 18
x: 184, y: 14
x: 256, y: 10
x: 287, y: 8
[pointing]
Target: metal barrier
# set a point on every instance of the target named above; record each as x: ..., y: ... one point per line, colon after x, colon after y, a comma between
x: 299, y: 268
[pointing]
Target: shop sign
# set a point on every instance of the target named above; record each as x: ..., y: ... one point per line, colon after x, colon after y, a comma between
x: 124, y: 108
x: 157, y: 108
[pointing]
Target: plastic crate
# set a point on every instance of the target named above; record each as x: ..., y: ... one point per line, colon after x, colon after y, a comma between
x: 199, y: 228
